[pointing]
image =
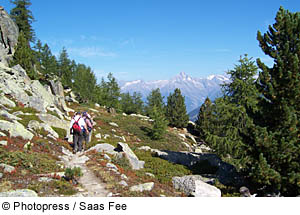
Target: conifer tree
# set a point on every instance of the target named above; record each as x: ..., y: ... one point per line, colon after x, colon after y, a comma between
x: 204, y: 117
x: 24, y: 56
x: 159, y: 124
x: 110, y: 91
x: 48, y: 64
x: 23, y: 18
x: 176, y: 110
x: 155, y: 99
x: 65, y: 68
x: 84, y: 83
x: 279, y: 104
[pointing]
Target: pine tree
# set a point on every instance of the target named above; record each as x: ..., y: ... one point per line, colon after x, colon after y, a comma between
x: 176, y: 110
x: 159, y: 125
x: 48, y: 64
x: 279, y: 103
x: 84, y: 83
x: 110, y: 91
x: 204, y: 117
x: 24, y: 56
x: 155, y: 99
x: 65, y: 68
x: 23, y: 18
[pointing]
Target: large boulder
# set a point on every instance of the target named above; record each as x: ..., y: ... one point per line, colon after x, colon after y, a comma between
x: 15, y: 129
x: 53, y: 121
x: 142, y: 187
x: 193, y: 185
x: 57, y: 88
x: 135, y: 163
x: 19, y: 193
x: 225, y: 172
x: 7, y: 102
x: 104, y: 148
x: 9, y: 36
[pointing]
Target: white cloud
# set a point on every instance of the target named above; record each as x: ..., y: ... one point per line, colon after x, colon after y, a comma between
x: 91, y: 52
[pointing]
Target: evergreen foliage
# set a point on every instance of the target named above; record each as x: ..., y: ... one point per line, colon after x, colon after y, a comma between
x: 176, y: 110
x: 24, y: 56
x: 155, y: 99
x: 110, y: 92
x: 204, y: 117
x: 279, y: 104
x: 159, y: 125
x: 23, y: 18
x: 84, y: 82
x: 65, y: 68
x: 45, y: 59
x: 132, y: 104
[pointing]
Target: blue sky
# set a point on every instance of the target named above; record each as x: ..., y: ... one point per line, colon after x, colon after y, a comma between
x: 155, y: 39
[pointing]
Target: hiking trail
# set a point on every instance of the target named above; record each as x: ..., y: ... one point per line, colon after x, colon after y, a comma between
x: 89, y: 184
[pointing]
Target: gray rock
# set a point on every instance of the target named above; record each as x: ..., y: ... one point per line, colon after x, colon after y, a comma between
x: 9, y: 37
x: 123, y: 183
x: 124, y: 177
x: 6, y: 101
x: 3, y: 143
x: 57, y: 88
x: 113, y: 124
x: 226, y: 173
x: 145, y: 148
x: 97, y: 105
x: 132, y: 158
x: 19, y: 193
x: 112, y: 166
x: 142, y: 187
x: 15, y: 129
x: 150, y: 174
x: 45, y: 179
x: 7, y: 168
x: 98, y: 136
x: 107, y: 157
x: 7, y: 115
x: 194, y: 186
x: 104, y: 148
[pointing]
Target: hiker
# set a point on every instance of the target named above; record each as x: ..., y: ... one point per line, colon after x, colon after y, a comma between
x: 77, y: 127
x: 89, y: 123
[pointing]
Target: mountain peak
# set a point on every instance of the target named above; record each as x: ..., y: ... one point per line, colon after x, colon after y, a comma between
x: 182, y: 76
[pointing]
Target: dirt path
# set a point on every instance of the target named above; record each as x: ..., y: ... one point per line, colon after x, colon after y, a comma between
x: 90, y: 185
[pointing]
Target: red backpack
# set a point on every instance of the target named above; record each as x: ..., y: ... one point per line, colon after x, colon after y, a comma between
x: 76, y: 126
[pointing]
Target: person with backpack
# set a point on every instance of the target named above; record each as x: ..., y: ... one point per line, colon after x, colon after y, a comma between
x: 77, y: 127
x: 89, y: 123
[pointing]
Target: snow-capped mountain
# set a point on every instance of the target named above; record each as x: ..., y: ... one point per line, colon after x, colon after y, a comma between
x: 195, y: 90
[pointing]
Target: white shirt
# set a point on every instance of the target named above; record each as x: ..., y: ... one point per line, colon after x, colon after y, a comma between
x: 81, y: 122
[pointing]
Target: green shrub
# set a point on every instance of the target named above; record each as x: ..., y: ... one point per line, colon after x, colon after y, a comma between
x: 27, y: 118
x: 73, y: 173
x: 60, y: 131
x: 34, y: 162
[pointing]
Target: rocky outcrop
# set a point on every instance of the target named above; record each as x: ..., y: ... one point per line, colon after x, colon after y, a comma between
x: 8, y: 36
x: 15, y: 129
x: 104, y: 148
x: 5, y: 101
x: 19, y: 193
x: 142, y: 187
x: 135, y: 163
x: 225, y: 172
x: 7, y: 168
x: 194, y: 186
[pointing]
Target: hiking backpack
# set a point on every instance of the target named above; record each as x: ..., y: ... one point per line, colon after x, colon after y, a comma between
x: 76, y: 127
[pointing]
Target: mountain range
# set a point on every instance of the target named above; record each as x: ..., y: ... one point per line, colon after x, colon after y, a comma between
x: 195, y: 90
